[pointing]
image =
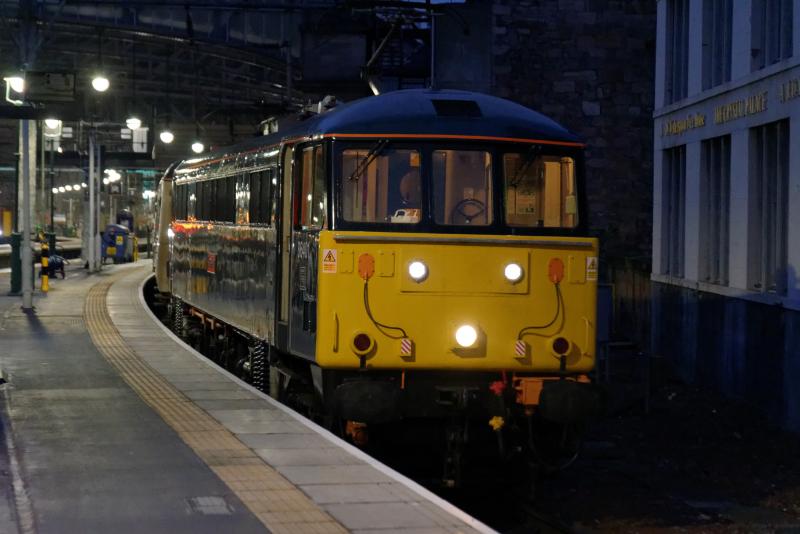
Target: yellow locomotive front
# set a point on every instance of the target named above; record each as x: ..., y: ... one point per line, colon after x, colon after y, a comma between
x: 457, y: 280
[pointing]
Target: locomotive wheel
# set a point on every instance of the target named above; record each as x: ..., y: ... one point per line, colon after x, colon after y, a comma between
x: 554, y: 446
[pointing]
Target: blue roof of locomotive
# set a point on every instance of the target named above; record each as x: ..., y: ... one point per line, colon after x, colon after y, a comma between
x: 412, y: 112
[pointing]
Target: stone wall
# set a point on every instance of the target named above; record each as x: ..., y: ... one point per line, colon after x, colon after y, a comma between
x: 589, y: 64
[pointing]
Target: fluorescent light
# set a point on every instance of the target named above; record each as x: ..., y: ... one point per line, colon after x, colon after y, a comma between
x: 100, y: 83
x: 17, y: 83
x: 133, y: 123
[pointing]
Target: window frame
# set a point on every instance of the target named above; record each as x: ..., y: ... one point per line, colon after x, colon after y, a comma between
x: 339, y: 183
x: 427, y: 223
x: 299, y: 200
x: 577, y: 193
x: 492, y: 215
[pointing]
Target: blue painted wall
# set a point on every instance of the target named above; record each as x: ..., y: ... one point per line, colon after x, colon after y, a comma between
x: 739, y: 348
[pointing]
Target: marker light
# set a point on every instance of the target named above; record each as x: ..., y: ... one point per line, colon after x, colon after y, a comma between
x: 197, y: 147
x: 513, y: 272
x: 418, y: 271
x: 100, y: 83
x: 466, y: 336
x: 166, y: 136
x: 133, y: 123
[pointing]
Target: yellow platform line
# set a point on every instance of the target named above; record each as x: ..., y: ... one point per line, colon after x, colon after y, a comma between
x: 275, y: 501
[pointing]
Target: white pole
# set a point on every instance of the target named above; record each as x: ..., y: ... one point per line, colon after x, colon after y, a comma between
x: 27, y: 257
x: 90, y: 241
x: 98, y: 173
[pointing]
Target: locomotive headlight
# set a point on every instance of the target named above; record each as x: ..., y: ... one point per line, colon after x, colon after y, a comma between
x: 418, y: 271
x: 466, y: 336
x: 513, y: 272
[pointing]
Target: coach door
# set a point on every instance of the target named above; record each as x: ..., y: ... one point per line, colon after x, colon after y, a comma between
x: 303, y: 208
x: 308, y: 218
x: 285, y: 246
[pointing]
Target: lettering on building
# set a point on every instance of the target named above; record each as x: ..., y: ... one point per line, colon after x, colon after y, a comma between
x: 790, y: 90
x: 678, y: 126
x: 741, y: 108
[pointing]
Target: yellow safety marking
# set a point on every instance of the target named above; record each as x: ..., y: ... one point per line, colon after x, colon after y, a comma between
x: 275, y: 501
x: 591, y: 268
x: 329, y: 260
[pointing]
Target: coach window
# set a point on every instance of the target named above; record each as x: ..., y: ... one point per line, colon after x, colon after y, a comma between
x: 242, y: 199
x: 540, y: 191
x: 191, y: 209
x: 207, y: 200
x: 255, y: 197
x: 381, y: 186
x: 462, y: 187
x: 226, y: 200
x: 260, y: 197
x: 179, y: 202
x: 313, y: 191
x: 272, y: 176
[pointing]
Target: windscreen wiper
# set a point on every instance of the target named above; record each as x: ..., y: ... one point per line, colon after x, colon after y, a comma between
x: 530, y: 156
x: 373, y: 153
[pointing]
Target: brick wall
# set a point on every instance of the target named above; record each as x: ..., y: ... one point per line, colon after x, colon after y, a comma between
x: 589, y: 65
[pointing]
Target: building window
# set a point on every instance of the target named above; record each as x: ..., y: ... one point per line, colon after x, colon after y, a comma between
x: 673, y: 211
x: 715, y: 187
x: 769, y: 180
x: 771, y: 32
x: 717, y: 16
x: 677, y: 52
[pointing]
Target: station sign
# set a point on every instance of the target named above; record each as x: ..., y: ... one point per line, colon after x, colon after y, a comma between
x: 47, y: 87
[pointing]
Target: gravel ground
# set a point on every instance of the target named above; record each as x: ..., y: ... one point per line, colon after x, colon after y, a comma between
x: 695, y: 463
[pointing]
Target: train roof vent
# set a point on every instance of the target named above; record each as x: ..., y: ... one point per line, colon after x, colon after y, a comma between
x: 456, y: 108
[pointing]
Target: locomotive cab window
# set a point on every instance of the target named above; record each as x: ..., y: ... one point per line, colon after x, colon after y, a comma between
x: 313, y: 193
x: 462, y: 187
x: 540, y: 191
x: 381, y: 186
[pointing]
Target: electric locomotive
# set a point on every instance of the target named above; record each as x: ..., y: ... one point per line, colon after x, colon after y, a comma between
x: 417, y: 254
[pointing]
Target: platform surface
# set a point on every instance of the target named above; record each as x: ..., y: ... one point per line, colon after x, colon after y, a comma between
x: 111, y: 424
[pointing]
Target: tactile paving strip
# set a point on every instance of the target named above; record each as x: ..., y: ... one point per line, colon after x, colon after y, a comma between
x: 277, y: 503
